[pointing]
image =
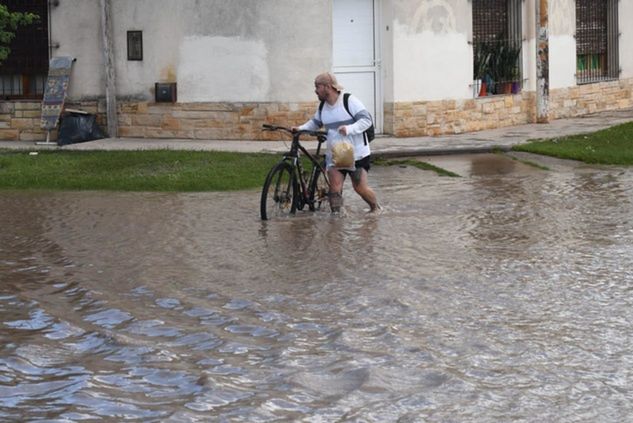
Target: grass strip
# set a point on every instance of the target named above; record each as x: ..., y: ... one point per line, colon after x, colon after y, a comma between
x: 415, y: 163
x: 156, y: 170
x: 613, y: 146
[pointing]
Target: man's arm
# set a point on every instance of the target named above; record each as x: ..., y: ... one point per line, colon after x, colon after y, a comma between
x: 313, y: 124
x: 362, y: 118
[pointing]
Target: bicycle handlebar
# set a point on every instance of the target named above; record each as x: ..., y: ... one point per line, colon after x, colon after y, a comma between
x: 321, y: 135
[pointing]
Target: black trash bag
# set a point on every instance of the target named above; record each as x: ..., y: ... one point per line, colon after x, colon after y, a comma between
x: 78, y: 127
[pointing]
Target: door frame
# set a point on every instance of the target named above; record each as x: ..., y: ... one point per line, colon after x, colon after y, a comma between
x: 377, y: 67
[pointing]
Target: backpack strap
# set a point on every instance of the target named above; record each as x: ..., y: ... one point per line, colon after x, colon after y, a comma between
x: 346, y: 103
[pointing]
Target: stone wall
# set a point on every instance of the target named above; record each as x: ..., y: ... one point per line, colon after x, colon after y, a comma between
x: 229, y: 121
x: 457, y: 116
x: 590, y: 98
x: 408, y: 119
x: 20, y: 120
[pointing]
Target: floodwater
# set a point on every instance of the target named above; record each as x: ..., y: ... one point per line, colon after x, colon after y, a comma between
x: 505, y: 295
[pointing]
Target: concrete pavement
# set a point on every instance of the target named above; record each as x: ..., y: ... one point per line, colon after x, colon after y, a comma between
x: 473, y: 142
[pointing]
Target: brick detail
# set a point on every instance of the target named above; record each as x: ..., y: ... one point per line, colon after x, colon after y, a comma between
x: 457, y: 116
x: 9, y: 135
x: 230, y: 121
x: 407, y: 119
x: 590, y: 98
x: 19, y: 120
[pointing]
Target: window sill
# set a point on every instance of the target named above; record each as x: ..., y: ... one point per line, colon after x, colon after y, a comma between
x: 596, y: 80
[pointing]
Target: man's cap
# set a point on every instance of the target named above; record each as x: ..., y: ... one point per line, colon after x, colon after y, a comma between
x: 328, y: 78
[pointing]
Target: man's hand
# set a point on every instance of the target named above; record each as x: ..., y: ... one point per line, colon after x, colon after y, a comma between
x: 342, y: 130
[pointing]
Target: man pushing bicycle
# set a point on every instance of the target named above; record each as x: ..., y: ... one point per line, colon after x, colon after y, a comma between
x: 346, y: 120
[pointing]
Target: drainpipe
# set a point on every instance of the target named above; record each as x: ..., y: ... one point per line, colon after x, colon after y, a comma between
x: 542, y: 61
x: 108, y: 54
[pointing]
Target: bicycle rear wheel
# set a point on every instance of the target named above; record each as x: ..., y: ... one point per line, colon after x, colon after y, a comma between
x: 278, y: 194
x: 318, y: 191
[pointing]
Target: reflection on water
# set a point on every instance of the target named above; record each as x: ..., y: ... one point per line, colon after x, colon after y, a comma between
x: 499, y: 296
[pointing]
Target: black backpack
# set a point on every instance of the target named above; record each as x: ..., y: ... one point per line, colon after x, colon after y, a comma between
x: 369, y: 133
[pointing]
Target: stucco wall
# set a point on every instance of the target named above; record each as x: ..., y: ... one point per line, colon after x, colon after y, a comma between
x: 626, y: 38
x: 529, y: 46
x: 387, y: 48
x: 239, y: 63
x: 269, y: 50
x: 216, y: 50
x: 432, y: 59
x: 75, y: 27
x: 562, y: 43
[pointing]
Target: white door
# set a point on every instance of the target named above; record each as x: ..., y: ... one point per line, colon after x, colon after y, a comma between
x: 355, y: 61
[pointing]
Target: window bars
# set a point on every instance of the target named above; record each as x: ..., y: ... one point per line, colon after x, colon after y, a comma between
x: 596, y: 41
x: 23, y: 74
x: 22, y: 85
x: 497, y: 44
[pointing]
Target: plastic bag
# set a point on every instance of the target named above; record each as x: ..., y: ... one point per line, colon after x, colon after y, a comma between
x: 78, y: 127
x: 342, y: 153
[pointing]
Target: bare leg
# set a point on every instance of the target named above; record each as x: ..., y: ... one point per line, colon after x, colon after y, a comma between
x: 336, y: 189
x: 359, y: 182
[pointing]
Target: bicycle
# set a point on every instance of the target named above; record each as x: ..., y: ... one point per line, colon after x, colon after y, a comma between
x: 288, y: 187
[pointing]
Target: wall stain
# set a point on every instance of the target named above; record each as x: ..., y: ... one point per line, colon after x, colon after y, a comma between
x: 168, y: 74
x: 235, y: 18
x: 561, y: 17
x: 437, y: 16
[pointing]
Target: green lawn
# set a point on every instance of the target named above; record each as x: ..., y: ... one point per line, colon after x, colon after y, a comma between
x: 160, y: 170
x: 609, y: 146
x: 169, y: 170
x: 156, y: 170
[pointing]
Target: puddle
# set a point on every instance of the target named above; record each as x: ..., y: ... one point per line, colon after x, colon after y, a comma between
x: 502, y: 294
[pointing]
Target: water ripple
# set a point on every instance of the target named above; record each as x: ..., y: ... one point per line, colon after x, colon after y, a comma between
x: 492, y: 297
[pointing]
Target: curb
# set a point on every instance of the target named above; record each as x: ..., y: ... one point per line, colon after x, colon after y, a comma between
x: 421, y: 152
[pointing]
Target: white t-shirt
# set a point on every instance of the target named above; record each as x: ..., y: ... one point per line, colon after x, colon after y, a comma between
x: 331, y: 117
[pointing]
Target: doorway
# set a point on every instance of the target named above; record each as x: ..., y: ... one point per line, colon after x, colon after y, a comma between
x: 355, y: 60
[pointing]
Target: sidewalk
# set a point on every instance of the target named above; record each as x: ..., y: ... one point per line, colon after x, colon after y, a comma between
x: 473, y: 142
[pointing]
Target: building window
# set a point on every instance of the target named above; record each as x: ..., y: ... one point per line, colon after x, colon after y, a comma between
x: 497, y: 43
x: 135, y: 45
x: 596, y: 41
x: 23, y: 74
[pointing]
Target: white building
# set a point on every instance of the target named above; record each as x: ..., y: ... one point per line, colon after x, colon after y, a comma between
x: 239, y: 63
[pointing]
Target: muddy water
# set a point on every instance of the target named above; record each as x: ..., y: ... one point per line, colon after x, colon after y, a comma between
x: 504, y: 295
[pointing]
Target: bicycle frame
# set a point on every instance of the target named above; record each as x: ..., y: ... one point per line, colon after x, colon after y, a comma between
x: 294, y: 157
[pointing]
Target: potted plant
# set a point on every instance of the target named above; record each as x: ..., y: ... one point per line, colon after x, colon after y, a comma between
x: 504, y: 66
x: 481, y: 65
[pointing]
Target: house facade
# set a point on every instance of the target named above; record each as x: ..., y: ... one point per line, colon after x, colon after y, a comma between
x: 219, y: 69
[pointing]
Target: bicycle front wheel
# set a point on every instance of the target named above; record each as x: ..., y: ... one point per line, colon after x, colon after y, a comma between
x: 318, y: 191
x: 278, y: 195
